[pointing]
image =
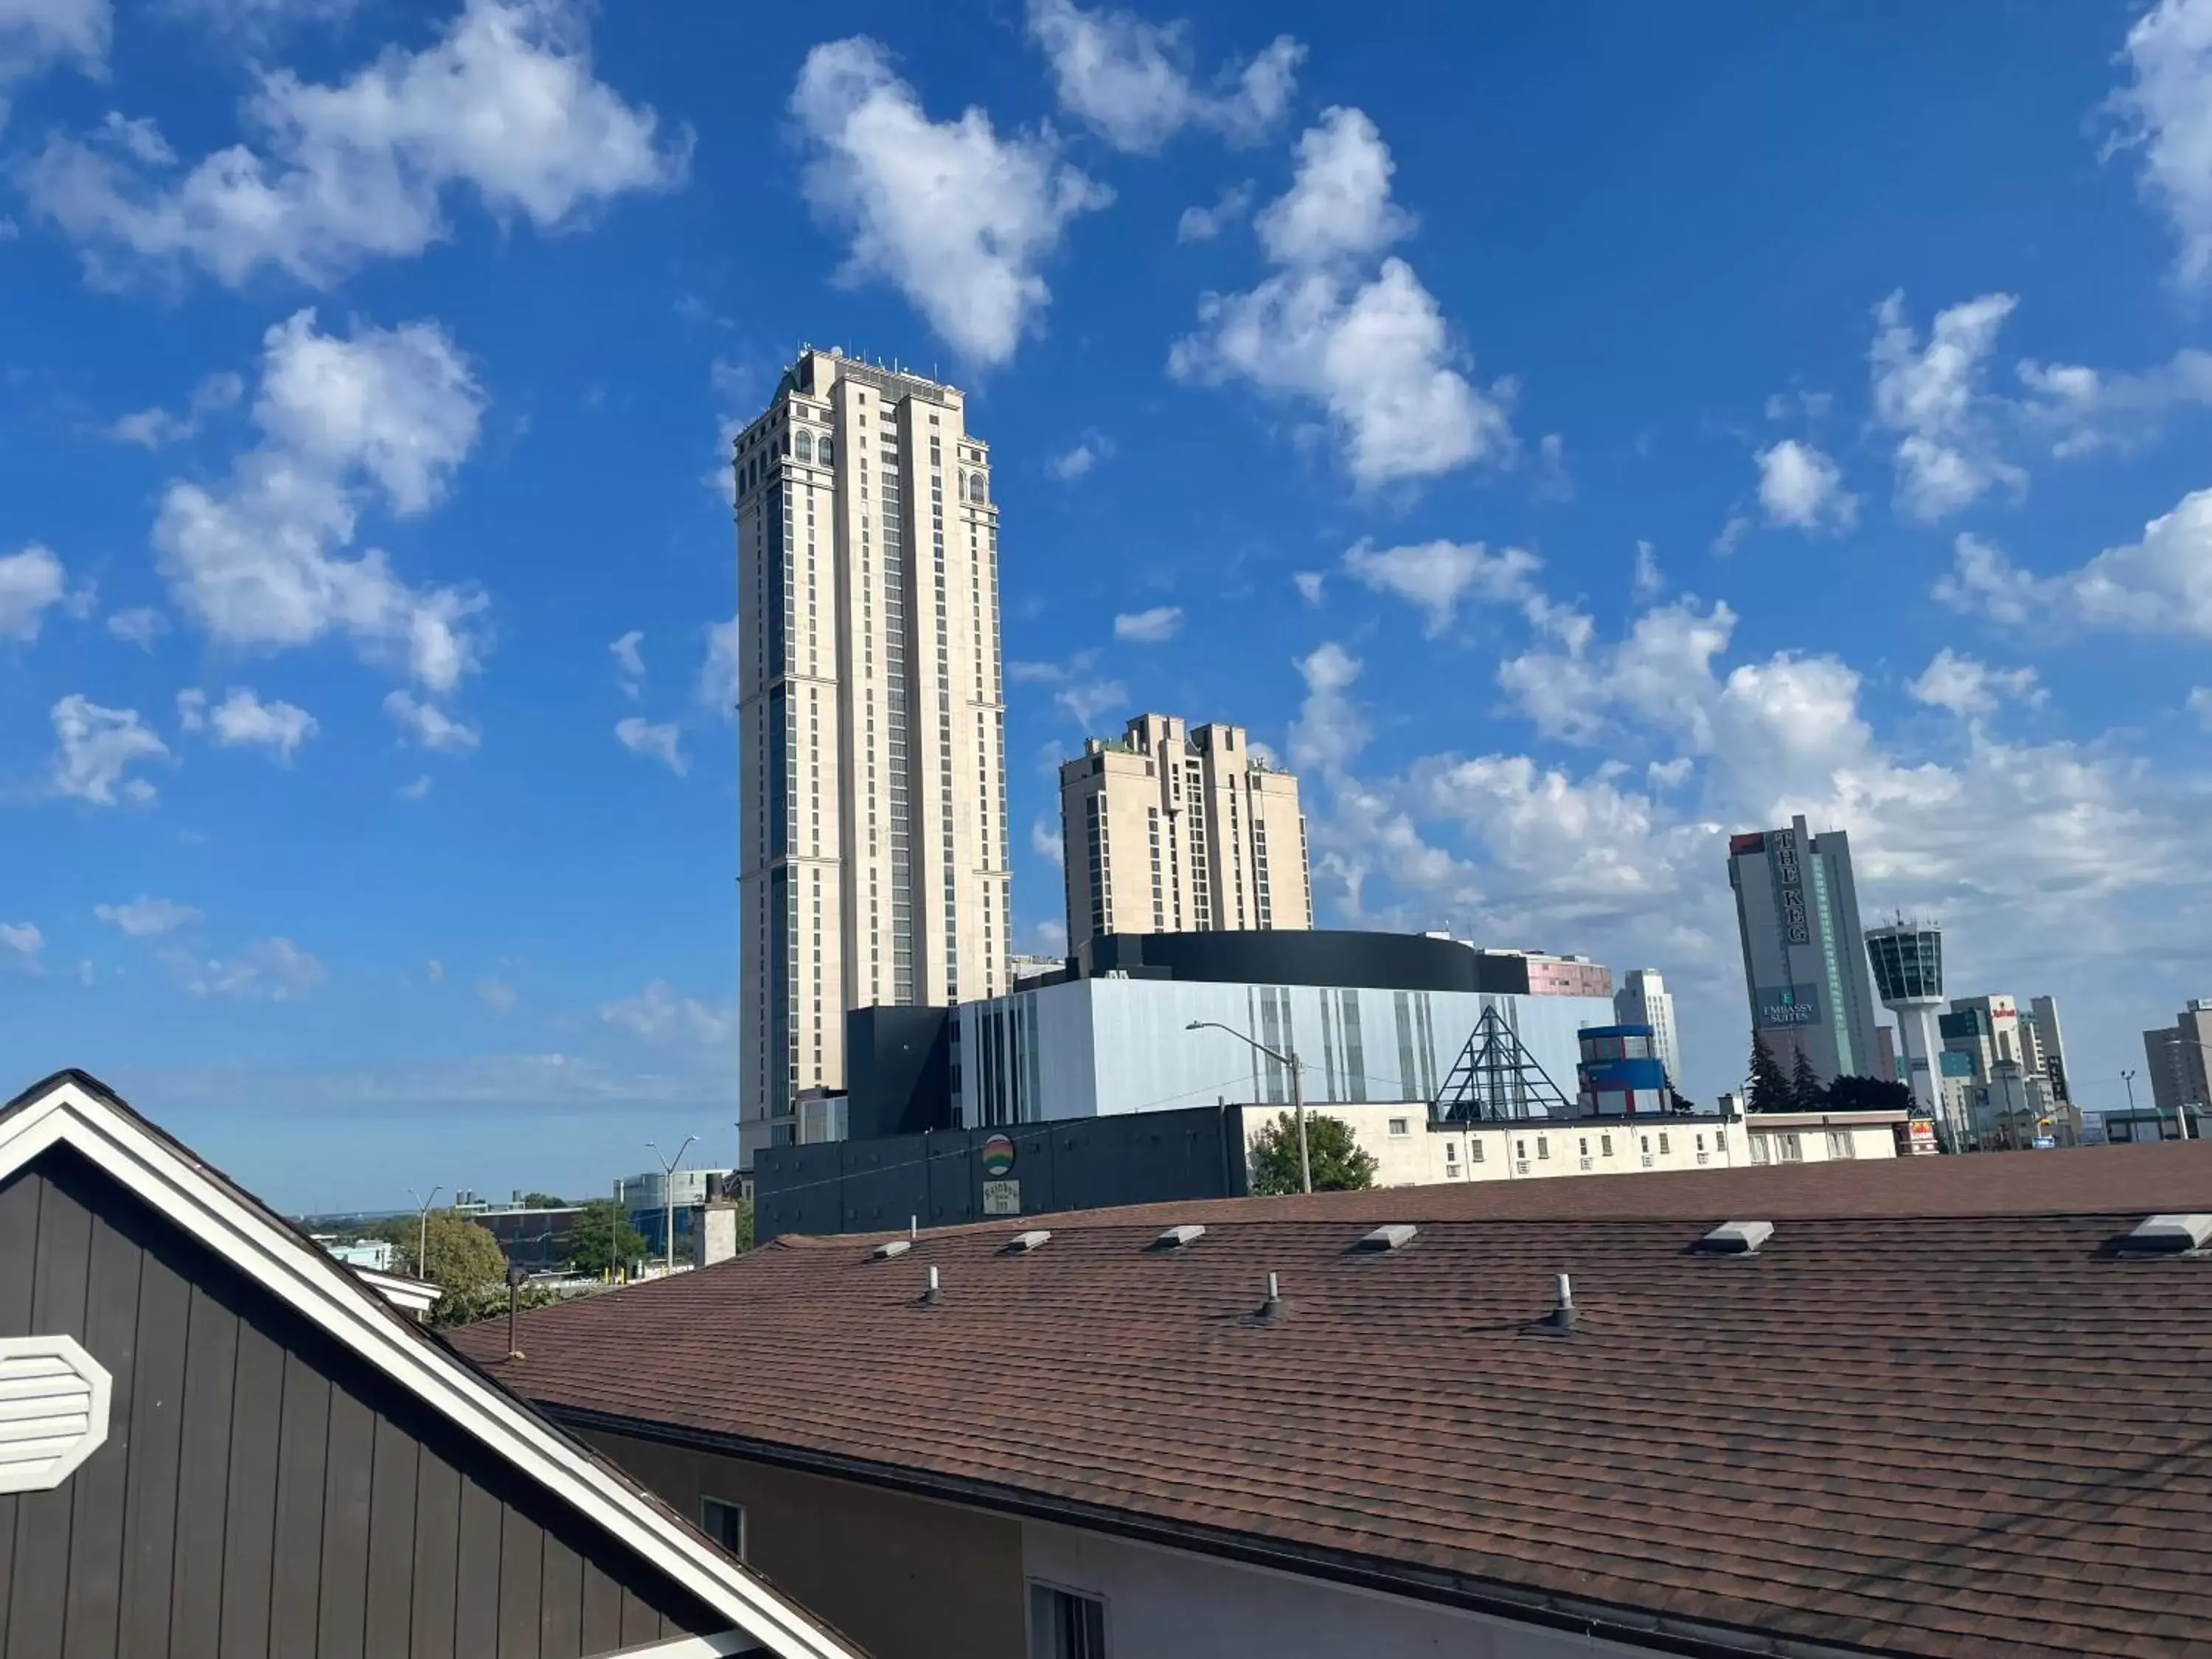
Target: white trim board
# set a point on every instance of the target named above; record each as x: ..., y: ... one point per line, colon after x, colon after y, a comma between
x: 329, y: 1296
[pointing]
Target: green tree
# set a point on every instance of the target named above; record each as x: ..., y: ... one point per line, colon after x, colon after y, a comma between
x: 1340, y: 1164
x: 745, y: 1212
x: 1868, y: 1094
x: 488, y: 1302
x: 1769, y: 1089
x: 1679, y: 1102
x: 1805, y: 1092
x: 540, y: 1201
x: 461, y: 1257
x: 456, y: 1254
x: 601, y: 1238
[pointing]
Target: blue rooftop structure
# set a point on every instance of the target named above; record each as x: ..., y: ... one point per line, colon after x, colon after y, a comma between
x: 1620, y: 1071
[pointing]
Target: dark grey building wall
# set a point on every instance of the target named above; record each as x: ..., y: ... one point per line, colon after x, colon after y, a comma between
x: 1321, y: 956
x: 898, y: 1070
x: 1075, y: 1164
x: 263, y: 1493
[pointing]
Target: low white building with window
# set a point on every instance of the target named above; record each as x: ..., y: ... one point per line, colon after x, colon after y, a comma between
x: 1409, y: 1150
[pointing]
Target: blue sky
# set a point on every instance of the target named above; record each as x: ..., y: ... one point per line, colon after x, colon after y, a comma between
x: 1565, y: 433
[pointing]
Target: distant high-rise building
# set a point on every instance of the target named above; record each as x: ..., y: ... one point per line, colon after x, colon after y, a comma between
x: 2044, y: 1012
x: 1804, y: 955
x: 1908, y: 976
x: 872, y: 865
x: 1644, y: 1000
x: 2002, y: 1077
x: 1169, y: 832
x: 2176, y: 1057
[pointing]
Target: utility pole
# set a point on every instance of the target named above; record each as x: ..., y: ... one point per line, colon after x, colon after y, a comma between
x: 423, y: 1233
x: 1297, y: 1090
x: 668, y: 1202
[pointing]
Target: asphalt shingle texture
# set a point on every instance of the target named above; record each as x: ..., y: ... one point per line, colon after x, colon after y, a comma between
x: 1936, y: 1414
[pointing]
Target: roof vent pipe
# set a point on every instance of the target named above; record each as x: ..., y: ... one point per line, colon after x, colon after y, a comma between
x: 1272, y: 1309
x: 929, y: 1295
x: 914, y: 1226
x: 1560, y: 1322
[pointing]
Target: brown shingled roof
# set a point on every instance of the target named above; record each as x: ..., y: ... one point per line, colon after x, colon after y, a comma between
x: 1934, y: 1415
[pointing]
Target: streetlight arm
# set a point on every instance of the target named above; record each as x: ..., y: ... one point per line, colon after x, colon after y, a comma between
x: 1216, y: 1025
x: 1290, y: 1062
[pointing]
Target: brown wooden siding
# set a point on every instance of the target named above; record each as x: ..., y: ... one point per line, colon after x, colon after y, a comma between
x: 264, y: 1493
x: 905, y: 1578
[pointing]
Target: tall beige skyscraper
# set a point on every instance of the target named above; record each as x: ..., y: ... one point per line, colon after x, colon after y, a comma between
x: 1165, y: 831
x: 872, y: 832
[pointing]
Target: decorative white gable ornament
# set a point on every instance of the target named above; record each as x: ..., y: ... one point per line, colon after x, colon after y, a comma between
x: 53, y: 1411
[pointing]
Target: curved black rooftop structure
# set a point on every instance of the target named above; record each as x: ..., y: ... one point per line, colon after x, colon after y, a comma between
x: 1388, y: 961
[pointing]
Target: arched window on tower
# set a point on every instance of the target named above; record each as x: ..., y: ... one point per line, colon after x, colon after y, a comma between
x: 976, y: 488
x: 805, y: 444
x: 822, y: 451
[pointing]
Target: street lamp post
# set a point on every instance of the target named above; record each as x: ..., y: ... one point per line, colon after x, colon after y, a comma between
x: 422, y: 1233
x: 668, y: 1202
x: 1297, y: 1091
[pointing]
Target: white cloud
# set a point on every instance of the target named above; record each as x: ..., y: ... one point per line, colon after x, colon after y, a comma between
x: 32, y: 582
x: 1798, y: 405
x: 1969, y: 688
x: 34, y: 34
x: 1798, y: 485
x: 1573, y: 692
x: 504, y: 104
x: 257, y: 563
x: 275, y: 968
x: 242, y: 720
x: 140, y: 626
x: 258, y: 20
x: 663, y: 742
x: 1616, y: 858
x: 1437, y: 575
x: 2168, y: 108
x: 1933, y: 394
x: 147, y: 918
x: 718, y: 674
x: 1338, y: 202
x: 1084, y: 701
x: 496, y: 995
x: 1131, y: 80
x: 658, y: 1015
x: 153, y: 428
x: 1035, y: 673
x: 1076, y: 463
x: 415, y: 790
x: 2081, y: 410
x: 1329, y: 731
x: 1374, y: 352
x: 428, y: 725
x: 1312, y: 585
x: 1045, y: 841
x: 1157, y: 626
x: 1650, y: 580
x: 2160, y: 585
x: 20, y: 945
x: 2199, y: 703
x: 1203, y: 224
x: 629, y: 662
x: 97, y: 746
x: 957, y: 218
